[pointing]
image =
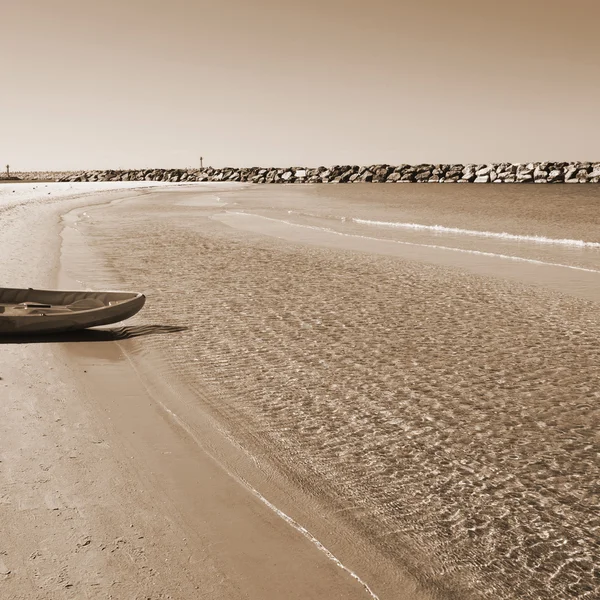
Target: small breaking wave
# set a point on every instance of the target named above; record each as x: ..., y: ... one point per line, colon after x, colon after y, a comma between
x: 538, y: 239
x: 433, y: 246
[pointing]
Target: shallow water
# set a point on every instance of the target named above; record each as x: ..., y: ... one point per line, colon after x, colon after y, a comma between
x: 442, y: 405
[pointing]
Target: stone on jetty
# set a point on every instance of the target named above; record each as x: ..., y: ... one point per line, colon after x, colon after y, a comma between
x: 525, y: 173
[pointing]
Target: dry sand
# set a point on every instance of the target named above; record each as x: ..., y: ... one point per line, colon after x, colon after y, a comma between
x: 430, y: 420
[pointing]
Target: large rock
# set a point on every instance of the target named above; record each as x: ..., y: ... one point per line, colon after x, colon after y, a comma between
x: 469, y: 168
x: 423, y: 176
x: 423, y: 168
x: 525, y: 173
x: 539, y: 174
x: 381, y: 173
x: 570, y: 172
x: 555, y: 176
x: 347, y: 176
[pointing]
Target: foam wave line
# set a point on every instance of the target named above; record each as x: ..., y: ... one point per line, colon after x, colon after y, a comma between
x: 434, y: 246
x: 538, y: 239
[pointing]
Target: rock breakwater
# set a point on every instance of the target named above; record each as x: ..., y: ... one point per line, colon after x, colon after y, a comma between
x: 539, y: 172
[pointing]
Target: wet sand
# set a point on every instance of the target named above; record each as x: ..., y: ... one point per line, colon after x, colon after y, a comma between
x: 423, y: 403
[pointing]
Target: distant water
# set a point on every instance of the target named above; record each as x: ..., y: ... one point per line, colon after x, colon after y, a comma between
x: 385, y: 344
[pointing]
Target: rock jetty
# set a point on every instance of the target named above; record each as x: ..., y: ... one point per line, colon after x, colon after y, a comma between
x: 540, y: 172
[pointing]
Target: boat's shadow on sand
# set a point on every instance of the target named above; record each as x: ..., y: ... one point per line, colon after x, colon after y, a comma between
x: 93, y: 335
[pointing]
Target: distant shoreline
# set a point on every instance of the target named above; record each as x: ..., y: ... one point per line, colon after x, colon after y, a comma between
x: 538, y: 172
x: 29, y: 180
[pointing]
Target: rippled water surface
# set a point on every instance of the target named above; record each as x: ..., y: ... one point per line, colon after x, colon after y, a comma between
x: 452, y: 416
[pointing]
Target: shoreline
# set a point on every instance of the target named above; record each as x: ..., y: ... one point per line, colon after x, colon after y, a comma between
x: 258, y: 475
x: 108, y: 411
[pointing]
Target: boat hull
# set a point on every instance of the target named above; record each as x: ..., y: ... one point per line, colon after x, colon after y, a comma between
x: 30, y: 311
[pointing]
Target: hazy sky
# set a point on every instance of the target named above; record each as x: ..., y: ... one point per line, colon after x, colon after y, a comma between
x: 132, y: 83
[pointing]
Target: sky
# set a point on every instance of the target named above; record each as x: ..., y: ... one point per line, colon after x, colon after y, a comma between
x: 159, y: 83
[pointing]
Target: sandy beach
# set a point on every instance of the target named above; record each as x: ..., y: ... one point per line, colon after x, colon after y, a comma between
x: 331, y: 393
